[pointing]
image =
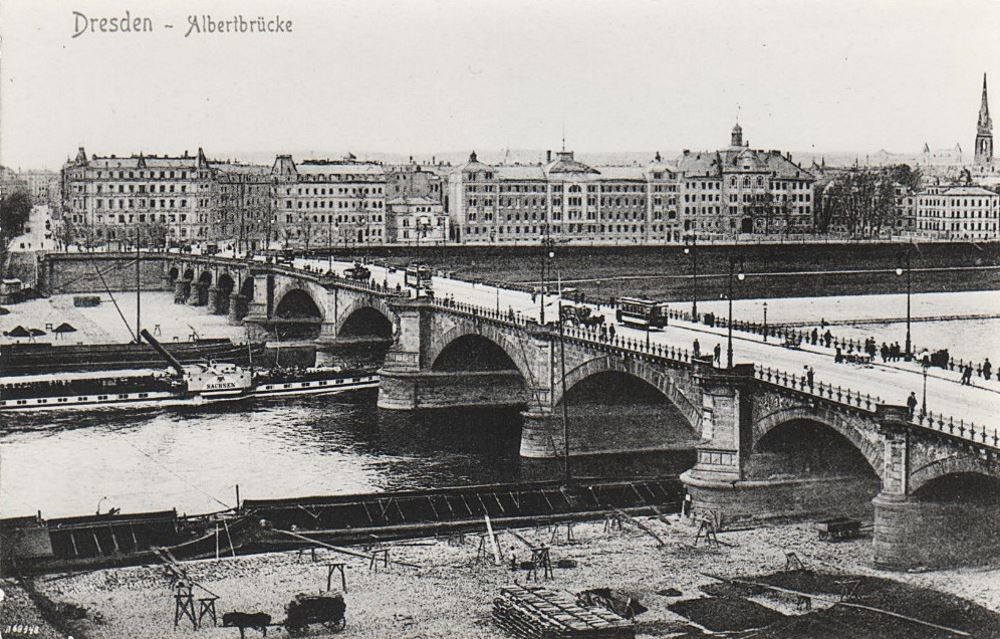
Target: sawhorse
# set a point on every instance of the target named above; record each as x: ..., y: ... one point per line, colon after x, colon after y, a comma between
x: 379, y: 554
x: 540, y: 558
x: 206, y: 608
x: 333, y: 567
x: 184, y: 604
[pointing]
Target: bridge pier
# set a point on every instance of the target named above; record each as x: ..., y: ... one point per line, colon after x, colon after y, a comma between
x: 199, y: 294
x: 182, y: 289
x: 919, y: 531
x: 237, y: 308
x: 724, y: 484
x: 216, y: 303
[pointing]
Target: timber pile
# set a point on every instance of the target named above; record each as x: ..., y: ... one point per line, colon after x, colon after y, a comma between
x: 542, y: 613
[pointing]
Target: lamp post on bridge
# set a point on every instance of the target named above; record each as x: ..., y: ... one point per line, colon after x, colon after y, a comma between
x: 907, y: 353
x: 548, y: 253
x: 925, y: 363
x: 729, y: 325
x: 765, y: 321
x: 691, y: 243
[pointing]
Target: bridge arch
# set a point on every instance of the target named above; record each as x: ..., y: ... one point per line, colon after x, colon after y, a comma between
x: 833, y: 421
x: 173, y: 273
x: 297, y: 303
x: 952, y: 465
x: 369, y: 316
x: 205, y: 277
x: 637, y: 369
x: 189, y: 274
x: 486, y: 332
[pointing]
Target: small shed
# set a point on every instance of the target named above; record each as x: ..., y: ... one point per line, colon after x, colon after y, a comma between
x: 10, y: 291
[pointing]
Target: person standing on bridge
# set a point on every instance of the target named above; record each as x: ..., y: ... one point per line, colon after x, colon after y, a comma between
x: 718, y: 354
x: 911, y: 403
x: 810, y: 377
x: 828, y: 338
x: 987, y: 369
x: 697, y: 348
x: 967, y: 375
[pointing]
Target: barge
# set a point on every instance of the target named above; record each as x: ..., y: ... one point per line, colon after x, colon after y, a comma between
x: 33, y: 544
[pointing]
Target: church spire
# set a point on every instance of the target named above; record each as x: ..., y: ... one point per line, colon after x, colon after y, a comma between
x: 984, y: 131
x: 985, y: 123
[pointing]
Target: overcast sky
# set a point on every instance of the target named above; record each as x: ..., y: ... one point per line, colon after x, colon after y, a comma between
x: 438, y: 75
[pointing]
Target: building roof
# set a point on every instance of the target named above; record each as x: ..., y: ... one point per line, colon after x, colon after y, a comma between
x: 967, y: 190
x: 241, y: 169
x: 739, y: 159
x: 520, y: 172
x: 564, y: 163
x: 623, y: 173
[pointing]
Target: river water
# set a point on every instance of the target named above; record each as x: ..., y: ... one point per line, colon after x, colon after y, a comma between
x: 192, y: 460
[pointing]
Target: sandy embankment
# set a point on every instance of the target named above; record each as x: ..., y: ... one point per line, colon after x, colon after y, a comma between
x: 102, y: 324
x: 451, y: 594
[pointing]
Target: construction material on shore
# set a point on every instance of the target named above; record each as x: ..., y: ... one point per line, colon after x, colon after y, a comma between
x: 544, y: 613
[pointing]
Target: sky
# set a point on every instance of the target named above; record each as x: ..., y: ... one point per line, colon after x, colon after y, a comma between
x: 424, y: 76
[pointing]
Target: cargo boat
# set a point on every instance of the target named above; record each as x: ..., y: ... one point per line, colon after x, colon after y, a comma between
x: 33, y: 359
x: 33, y: 544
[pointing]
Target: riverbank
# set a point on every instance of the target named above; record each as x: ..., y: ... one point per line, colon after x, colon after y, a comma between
x: 450, y: 594
x: 103, y: 324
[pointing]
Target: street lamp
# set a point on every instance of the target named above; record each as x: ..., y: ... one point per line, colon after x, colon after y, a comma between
x: 691, y: 242
x: 907, y: 355
x: 925, y: 363
x: 765, y: 321
x: 548, y: 247
x: 729, y: 325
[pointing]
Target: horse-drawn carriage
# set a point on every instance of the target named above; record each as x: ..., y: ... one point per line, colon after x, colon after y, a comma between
x: 326, y: 610
x: 301, y: 612
x: 580, y: 315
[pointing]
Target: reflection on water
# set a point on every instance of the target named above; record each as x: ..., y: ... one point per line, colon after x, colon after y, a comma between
x: 65, y: 464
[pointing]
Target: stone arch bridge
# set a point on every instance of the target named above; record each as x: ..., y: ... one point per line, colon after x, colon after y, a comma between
x: 768, y: 445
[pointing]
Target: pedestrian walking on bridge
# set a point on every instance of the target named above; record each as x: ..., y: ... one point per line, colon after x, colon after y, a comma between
x: 987, y: 369
x: 718, y: 353
x: 911, y: 403
x: 697, y: 348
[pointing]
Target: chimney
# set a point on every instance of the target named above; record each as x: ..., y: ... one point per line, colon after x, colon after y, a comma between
x: 548, y: 156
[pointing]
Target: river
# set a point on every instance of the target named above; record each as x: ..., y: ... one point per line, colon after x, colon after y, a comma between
x: 192, y: 460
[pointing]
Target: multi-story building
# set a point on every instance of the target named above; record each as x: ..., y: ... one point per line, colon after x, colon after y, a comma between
x: 328, y: 202
x: 106, y: 199
x: 742, y: 190
x: 244, y: 206
x: 564, y: 199
x: 413, y: 180
x: 958, y: 212
x: 416, y: 219
x: 43, y: 186
x: 10, y: 182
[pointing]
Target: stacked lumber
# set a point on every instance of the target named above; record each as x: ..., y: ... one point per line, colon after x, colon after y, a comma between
x: 542, y: 613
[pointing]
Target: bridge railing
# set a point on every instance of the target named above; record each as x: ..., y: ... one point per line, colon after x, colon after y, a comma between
x: 510, y: 317
x: 659, y: 351
x: 960, y: 429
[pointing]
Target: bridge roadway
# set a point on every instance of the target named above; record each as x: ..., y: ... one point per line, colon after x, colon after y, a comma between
x: 891, y: 383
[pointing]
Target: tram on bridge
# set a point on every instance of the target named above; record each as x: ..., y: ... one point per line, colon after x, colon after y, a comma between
x: 642, y: 313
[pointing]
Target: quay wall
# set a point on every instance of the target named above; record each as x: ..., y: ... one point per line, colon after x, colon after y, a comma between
x: 664, y: 272
x: 82, y: 273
